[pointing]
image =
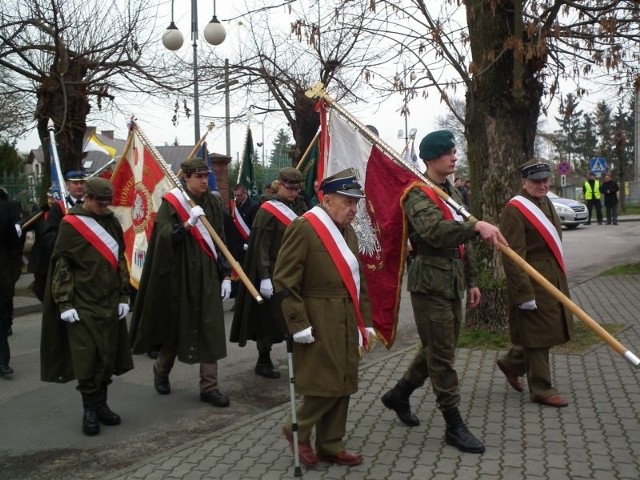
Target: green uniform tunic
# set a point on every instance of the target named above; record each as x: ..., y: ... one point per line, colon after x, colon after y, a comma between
x: 252, y: 321
x: 96, y: 346
x: 318, y: 299
x: 551, y: 323
x: 179, y: 303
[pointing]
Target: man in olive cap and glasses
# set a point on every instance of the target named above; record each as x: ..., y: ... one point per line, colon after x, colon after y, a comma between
x: 537, y: 320
x: 441, y: 276
x: 184, y: 281
x: 252, y: 321
x: 84, y: 328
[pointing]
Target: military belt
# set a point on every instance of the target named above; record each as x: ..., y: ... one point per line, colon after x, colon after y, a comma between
x: 438, y: 252
x: 325, y: 293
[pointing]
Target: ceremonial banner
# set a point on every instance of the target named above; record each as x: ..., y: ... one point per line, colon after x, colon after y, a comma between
x: 211, y: 181
x: 246, y: 175
x: 309, y: 169
x: 138, y: 186
x: 95, y: 145
x: 381, y: 228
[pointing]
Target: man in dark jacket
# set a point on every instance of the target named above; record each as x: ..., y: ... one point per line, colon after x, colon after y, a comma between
x: 537, y: 320
x: 610, y: 189
x: 84, y: 328
x: 183, y: 283
x: 443, y: 271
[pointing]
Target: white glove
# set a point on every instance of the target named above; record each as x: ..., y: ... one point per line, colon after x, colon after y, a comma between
x: 266, y: 288
x: 528, y: 305
x: 371, y: 332
x: 304, y: 336
x: 70, y: 315
x: 195, y: 213
x: 245, y: 247
x: 18, y: 229
x: 123, y: 309
x: 225, y: 289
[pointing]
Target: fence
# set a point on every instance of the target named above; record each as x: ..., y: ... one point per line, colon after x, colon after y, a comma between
x: 631, y: 189
x: 24, y: 188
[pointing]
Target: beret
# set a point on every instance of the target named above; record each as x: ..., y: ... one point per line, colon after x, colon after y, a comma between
x: 436, y: 143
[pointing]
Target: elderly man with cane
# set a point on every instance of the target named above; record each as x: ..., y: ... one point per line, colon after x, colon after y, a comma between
x: 326, y: 308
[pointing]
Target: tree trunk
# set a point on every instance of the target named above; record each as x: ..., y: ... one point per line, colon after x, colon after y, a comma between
x: 501, y: 128
x: 307, y: 122
x: 64, y: 100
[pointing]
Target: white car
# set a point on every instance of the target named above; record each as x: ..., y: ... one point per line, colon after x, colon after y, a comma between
x: 571, y: 212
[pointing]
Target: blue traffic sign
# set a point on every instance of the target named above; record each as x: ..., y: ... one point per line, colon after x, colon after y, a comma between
x: 598, y: 165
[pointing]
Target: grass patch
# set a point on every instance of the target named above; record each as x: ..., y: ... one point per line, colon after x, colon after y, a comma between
x: 630, y: 269
x: 630, y: 210
x: 583, y: 339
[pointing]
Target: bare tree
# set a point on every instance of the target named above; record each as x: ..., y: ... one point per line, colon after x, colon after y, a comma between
x: 68, y: 55
x: 326, y: 42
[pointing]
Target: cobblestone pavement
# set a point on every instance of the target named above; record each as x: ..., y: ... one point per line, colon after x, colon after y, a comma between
x: 596, y: 437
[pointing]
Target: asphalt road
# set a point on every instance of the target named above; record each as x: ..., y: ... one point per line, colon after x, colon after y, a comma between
x: 40, y: 422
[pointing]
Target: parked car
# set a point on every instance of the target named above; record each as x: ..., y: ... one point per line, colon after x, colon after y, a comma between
x: 571, y: 212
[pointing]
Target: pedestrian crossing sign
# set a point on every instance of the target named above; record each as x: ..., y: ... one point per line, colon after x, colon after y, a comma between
x: 598, y: 165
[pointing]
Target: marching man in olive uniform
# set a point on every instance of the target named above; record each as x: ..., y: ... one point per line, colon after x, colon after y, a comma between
x: 183, y: 283
x: 259, y: 322
x: 326, y: 309
x: 537, y: 320
x: 444, y: 268
x: 84, y: 329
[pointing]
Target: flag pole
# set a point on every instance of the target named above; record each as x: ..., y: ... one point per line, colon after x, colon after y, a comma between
x: 216, y: 238
x: 306, y: 152
x: 317, y: 91
x: 53, y: 157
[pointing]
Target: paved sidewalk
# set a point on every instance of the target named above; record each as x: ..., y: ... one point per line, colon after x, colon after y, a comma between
x: 596, y: 437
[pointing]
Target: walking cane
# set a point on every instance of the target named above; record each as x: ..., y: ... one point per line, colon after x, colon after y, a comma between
x: 297, y: 472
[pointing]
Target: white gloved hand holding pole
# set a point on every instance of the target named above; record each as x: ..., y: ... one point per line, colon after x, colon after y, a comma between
x: 70, y: 315
x: 266, y: 288
x: 225, y: 289
x: 528, y: 305
x: 196, y: 212
x: 304, y: 336
x: 123, y: 309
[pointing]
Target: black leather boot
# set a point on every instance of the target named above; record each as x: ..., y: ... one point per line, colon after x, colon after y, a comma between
x: 90, y: 422
x: 458, y: 435
x: 264, y: 366
x: 161, y: 383
x: 397, y: 399
x: 105, y: 414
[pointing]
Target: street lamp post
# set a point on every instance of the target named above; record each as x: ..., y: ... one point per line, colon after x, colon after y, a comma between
x: 172, y: 39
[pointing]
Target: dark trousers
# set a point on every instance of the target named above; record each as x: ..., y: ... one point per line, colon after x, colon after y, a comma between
x: 612, y: 214
x: 208, y: 371
x: 534, y: 363
x: 594, y: 203
x: 438, y: 321
x: 6, y: 301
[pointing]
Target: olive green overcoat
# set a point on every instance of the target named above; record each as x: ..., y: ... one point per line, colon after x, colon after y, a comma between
x: 551, y: 323
x: 317, y: 298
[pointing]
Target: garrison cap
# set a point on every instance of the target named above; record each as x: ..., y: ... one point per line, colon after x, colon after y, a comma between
x: 99, y: 188
x: 194, y: 165
x: 344, y: 183
x: 436, y: 143
x: 535, y: 170
x: 75, y: 175
x: 291, y: 176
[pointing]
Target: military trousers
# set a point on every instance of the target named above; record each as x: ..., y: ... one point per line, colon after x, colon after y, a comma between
x: 93, y: 344
x: 329, y: 416
x: 167, y: 359
x: 534, y: 363
x: 438, y: 321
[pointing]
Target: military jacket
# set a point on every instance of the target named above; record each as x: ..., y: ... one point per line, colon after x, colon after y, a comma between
x: 81, y: 278
x: 447, y: 277
x: 178, y: 302
x: 252, y: 321
x: 551, y: 323
x: 315, y: 296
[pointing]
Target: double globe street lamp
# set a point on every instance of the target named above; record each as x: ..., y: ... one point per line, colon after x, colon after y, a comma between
x: 172, y: 39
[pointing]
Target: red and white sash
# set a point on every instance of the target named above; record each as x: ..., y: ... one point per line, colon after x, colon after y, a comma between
x: 178, y: 201
x: 97, y: 237
x: 238, y: 220
x: 541, y: 223
x: 343, y: 258
x: 447, y: 212
x: 279, y: 210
